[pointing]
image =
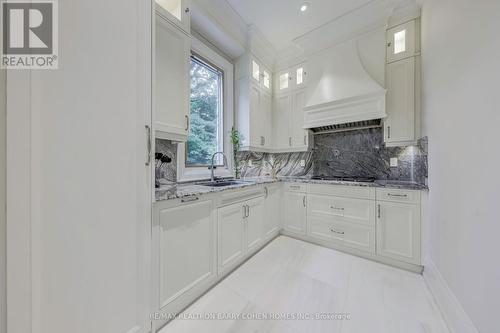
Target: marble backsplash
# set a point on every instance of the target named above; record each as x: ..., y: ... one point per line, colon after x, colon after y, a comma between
x: 167, y: 171
x: 359, y: 153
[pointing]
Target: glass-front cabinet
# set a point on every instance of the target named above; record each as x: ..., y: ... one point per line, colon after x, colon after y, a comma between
x: 403, y: 41
x: 177, y: 11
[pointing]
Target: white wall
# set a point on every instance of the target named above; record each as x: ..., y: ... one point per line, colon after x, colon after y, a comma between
x: 3, y: 324
x: 461, y: 111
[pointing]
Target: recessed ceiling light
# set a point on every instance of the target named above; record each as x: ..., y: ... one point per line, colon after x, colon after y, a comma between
x: 304, y: 7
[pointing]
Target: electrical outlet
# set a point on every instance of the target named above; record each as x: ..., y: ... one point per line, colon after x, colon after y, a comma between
x: 302, y: 163
x: 250, y: 163
x: 394, y: 162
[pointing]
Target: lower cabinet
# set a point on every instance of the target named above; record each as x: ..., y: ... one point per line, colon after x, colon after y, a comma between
x: 294, y: 212
x: 272, y: 211
x: 398, y: 231
x: 186, y: 245
x: 241, y: 231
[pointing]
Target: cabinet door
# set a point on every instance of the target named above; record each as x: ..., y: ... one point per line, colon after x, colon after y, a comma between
x: 272, y: 209
x: 399, y: 126
x: 187, y: 251
x: 254, y: 224
x: 172, y: 50
x: 298, y: 134
x: 267, y: 115
x: 177, y: 11
x: 398, y: 231
x: 294, y: 212
x: 281, y: 122
x: 231, y: 232
x: 257, y: 131
x: 401, y: 41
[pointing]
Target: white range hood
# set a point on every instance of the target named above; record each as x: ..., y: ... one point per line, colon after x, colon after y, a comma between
x: 340, y: 90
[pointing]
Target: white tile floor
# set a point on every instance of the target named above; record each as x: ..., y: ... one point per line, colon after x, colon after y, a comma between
x: 290, y: 276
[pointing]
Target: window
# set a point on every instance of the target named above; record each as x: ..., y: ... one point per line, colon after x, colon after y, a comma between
x: 400, y: 41
x: 284, y: 81
x: 206, y: 116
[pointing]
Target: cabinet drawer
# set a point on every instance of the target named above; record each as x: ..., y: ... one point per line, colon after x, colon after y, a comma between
x: 358, y: 192
x: 354, y: 235
x: 349, y: 210
x: 295, y: 187
x: 397, y: 195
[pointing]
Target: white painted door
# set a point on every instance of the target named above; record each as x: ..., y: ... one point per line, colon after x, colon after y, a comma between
x: 398, y: 231
x: 172, y: 58
x: 399, y: 126
x: 79, y: 222
x: 254, y: 223
x: 231, y: 231
x: 294, y: 212
x: 187, y: 253
x: 272, y: 211
x: 298, y: 134
x: 281, y: 122
x: 177, y: 11
x: 401, y: 41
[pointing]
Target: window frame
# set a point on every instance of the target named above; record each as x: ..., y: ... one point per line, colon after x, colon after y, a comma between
x: 220, y: 135
x: 212, y: 58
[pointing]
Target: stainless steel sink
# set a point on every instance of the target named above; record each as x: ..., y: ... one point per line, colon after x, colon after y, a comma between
x: 225, y: 182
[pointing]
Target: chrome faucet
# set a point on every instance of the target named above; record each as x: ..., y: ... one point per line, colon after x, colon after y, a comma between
x: 212, y: 167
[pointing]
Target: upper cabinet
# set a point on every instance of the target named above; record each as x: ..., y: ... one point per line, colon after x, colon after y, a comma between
x: 176, y: 11
x: 291, y: 79
x: 402, y: 125
x: 172, y: 55
x: 288, y: 113
x: 403, y: 41
x: 254, y: 103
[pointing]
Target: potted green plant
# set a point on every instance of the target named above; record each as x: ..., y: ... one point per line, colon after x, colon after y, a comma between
x: 236, y: 138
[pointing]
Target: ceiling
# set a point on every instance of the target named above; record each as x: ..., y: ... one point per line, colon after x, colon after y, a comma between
x: 281, y: 21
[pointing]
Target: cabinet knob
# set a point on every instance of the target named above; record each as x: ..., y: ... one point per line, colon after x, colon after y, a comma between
x: 389, y: 44
x: 187, y: 10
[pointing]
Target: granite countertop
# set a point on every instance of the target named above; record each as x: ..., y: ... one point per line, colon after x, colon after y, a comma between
x: 182, y: 190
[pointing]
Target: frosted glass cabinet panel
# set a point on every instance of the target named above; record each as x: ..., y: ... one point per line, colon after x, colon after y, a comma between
x: 402, y: 41
x: 177, y: 11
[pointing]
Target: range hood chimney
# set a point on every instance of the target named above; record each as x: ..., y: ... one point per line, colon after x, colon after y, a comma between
x: 340, y: 91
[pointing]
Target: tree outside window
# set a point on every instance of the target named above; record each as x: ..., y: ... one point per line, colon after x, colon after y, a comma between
x: 206, y: 116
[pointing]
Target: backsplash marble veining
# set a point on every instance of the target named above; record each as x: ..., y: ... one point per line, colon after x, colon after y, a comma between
x: 359, y: 153
x: 167, y: 171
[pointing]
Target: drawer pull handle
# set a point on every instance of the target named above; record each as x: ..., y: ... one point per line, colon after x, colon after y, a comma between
x: 190, y: 199
x: 378, y: 211
x: 338, y: 232
x: 336, y: 208
x: 294, y: 187
x: 397, y: 195
x: 304, y: 201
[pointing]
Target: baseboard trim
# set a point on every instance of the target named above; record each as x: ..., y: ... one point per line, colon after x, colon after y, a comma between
x: 453, y: 313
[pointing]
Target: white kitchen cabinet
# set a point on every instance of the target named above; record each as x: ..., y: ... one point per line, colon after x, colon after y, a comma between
x: 254, y: 103
x: 231, y: 230
x: 294, y: 212
x: 288, y: 112
x: 241, y: 232
x: 272, y: 211
x: 172, y: 57
x: 254, y: 223
x: 299, y: 136
x: 401, y: 127
x: 176, y: 11
x: 186, y: 252
x: 403, y: 41
x: 398, y: 230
